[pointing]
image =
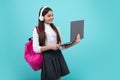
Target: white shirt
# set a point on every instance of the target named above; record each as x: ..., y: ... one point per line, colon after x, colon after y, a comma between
x: 51, y: 38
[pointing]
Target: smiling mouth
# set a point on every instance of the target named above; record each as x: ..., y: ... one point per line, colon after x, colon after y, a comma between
x: 51, y: 20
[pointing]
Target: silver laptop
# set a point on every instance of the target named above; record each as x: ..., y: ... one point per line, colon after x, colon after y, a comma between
x: 77, y: 27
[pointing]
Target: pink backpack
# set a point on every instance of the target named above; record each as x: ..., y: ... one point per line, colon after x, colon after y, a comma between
x: 35, y: 60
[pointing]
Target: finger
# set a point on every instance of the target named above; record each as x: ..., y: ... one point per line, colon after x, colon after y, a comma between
x: 59, y: 44
x: 78, y: 36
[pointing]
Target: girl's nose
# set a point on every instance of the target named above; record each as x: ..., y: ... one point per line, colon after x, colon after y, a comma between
x: 52, y: 17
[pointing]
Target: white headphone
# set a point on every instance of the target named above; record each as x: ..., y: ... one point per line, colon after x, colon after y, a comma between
x: 41, y: 18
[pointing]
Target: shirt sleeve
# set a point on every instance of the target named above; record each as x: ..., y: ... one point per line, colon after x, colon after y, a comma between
x: 36, y: 46
x: 61, y: 47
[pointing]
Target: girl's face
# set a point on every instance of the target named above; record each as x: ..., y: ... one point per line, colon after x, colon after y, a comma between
x: 48, y: 17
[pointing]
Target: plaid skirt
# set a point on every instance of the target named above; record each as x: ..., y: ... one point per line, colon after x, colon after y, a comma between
x: 54, y: 65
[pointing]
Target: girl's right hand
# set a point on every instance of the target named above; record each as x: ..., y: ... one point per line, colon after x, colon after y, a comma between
x: 77, y: 40
x: 55, y: 46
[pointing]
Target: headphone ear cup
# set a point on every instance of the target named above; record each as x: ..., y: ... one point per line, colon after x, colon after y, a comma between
x: 41, y: 18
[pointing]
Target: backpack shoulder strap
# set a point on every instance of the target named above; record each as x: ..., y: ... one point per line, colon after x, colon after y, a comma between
x: 37, y: 29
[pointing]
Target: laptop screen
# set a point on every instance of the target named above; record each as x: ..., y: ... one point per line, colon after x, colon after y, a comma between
x: 77, y: 27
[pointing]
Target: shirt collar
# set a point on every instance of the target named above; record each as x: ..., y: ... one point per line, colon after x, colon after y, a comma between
x: 46, y: 24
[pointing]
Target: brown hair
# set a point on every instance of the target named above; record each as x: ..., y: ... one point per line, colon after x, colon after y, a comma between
x: 41, y: 27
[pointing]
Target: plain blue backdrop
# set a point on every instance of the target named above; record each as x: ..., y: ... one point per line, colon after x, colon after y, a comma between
x: 96, y: 57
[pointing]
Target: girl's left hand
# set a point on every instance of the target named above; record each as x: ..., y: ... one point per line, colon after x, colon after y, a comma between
x: 77, y: 40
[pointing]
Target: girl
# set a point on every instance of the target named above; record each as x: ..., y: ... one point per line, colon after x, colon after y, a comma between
x: 48, y: 42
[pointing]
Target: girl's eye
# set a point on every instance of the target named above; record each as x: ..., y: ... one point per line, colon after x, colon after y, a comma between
x: 50, y: 15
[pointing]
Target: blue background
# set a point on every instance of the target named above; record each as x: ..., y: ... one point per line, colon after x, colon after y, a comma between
x: 96, y: 57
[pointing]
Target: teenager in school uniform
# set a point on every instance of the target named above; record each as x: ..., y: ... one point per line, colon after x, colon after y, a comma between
x: 47, y: 42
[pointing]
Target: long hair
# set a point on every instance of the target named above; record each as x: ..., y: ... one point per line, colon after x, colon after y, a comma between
x: 41, y: 27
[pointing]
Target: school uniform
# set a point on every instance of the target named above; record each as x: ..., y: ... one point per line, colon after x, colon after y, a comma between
x: 54, y: 65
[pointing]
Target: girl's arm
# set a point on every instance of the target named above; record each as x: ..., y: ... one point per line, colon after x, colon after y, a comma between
x: 77, y: 40
x: 40, y: 49
x: 51, y: 46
